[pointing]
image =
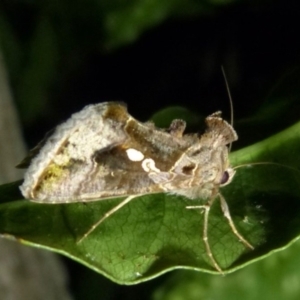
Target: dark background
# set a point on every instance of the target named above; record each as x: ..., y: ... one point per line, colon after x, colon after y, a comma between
x: 64, y: 55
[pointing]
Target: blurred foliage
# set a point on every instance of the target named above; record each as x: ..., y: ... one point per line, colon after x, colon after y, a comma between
x: 275, y: 278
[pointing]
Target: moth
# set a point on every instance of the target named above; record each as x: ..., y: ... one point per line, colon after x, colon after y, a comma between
x: 102, y: 152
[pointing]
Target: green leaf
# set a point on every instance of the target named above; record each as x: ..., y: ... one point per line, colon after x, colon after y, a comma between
x: 154, y: 234
x: 274, y: 278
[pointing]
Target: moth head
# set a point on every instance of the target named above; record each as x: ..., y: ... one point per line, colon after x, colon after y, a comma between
x: 227, y: 176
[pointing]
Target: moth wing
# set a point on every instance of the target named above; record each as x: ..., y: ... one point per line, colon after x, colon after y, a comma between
x: 25, y: 163
x: 72, y: 145
x: 86, y: 158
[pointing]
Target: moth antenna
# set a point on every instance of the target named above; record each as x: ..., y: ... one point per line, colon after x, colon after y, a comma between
x: 229, y: 95
x: 265, y: 163
x: 230, y: 101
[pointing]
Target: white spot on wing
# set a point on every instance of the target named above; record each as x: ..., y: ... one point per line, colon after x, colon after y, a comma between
x: 134, y: 155
x: 149, y: 165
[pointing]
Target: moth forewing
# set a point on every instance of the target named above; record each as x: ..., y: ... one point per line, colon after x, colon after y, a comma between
x: 88, y: 157
x: 102, y: 152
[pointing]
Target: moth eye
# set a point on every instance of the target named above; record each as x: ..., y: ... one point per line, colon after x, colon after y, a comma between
x: 224, y: 178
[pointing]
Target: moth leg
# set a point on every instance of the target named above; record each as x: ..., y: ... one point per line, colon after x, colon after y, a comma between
x: 205, y: 232
x: 227, y: 215
x: 106, y: 215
